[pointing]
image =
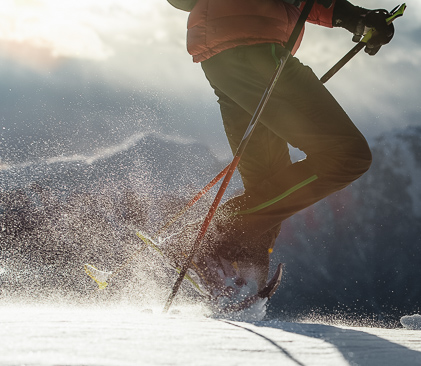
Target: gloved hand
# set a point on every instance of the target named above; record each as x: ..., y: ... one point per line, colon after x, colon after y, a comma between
x: 383, y: 34
x: 359, y: 20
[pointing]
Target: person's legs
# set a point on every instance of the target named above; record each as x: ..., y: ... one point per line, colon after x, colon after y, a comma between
x: 233, y: 256
x: 301, y: 112
x: 266, y: 153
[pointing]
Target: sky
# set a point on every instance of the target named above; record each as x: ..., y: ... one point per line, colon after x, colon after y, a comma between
x: 80, y: 76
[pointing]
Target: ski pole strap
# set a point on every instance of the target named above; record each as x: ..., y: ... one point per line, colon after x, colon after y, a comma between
x: 278, y: 198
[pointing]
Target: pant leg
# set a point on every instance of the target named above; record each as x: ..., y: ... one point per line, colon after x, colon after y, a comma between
x: 265, y: 153
x: 301, y: 112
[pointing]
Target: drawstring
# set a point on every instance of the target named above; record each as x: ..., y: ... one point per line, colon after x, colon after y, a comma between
x: 276, y: 58
x: 278, y: 198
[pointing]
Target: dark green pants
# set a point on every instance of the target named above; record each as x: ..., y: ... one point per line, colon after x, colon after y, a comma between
x: 300, y: 112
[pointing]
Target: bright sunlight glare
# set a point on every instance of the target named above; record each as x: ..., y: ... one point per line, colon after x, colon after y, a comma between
x: 72, y: 28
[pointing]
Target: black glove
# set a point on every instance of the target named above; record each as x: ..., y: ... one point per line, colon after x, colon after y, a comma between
x: 358, y: 20
x: 384, y: 32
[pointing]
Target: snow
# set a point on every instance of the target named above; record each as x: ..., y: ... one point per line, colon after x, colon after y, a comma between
x: 122, y: 335
x: 411, y: 321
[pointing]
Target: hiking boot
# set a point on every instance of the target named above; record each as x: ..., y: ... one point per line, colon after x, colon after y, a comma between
x: 224, y: 261
x: 233, y: 268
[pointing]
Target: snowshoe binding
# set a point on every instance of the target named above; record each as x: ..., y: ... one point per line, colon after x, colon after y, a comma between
x: 222, y: 274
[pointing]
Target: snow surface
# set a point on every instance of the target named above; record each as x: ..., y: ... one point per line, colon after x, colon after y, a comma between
x: 121, y: 335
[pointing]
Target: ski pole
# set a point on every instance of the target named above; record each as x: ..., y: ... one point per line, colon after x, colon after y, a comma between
x: 180, y: 213
x: 196, y: 198
x: 95, y: 273
x: 397, y: 12
x: 101, y: 277
x: 258, y: 112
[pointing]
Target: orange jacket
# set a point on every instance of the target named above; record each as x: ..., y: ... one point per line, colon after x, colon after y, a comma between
x: 217, y: 25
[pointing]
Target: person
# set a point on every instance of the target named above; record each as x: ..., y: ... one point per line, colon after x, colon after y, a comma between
x: 239, y: 43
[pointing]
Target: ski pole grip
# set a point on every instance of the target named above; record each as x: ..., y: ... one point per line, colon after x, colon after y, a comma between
x: 395, y: 14
x: 360, y: 45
